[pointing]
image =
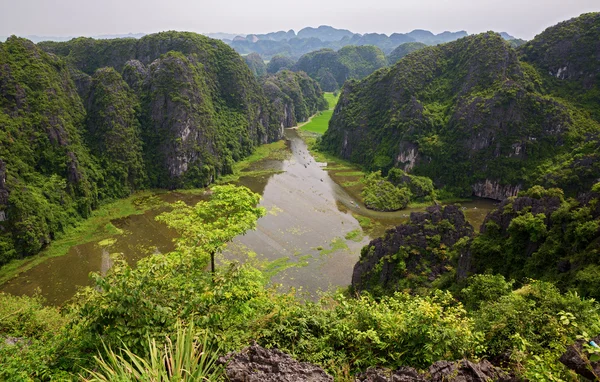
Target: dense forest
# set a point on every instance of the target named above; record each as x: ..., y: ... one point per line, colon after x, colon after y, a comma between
x: 433, y: 299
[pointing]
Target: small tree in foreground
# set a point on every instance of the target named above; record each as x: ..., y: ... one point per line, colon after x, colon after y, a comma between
x: 208, y: 226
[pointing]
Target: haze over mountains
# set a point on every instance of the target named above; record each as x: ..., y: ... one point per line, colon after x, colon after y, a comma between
x: 306, y: 40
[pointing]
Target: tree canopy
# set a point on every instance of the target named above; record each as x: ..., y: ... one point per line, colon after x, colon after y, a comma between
x: 207, y: 227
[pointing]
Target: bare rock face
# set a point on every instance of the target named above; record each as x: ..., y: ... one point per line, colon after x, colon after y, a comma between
x: 181, y: 113
x: 411, y: 249
x: 257, y: 364
x: 492, y: 189
x: 82, y: 82
x: 575, y: 358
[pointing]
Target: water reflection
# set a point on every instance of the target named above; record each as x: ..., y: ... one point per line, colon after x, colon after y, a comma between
x: 305, y: 231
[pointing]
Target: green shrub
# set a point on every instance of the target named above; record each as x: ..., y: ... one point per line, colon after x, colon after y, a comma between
x: 484, y: 288
x: 381, y: 195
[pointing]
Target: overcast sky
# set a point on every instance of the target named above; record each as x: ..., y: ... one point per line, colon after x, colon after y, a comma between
x: 521, y: 18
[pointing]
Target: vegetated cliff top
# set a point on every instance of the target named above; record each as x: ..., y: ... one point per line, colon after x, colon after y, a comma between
x: 331, y: 69
x: 403, y: 50
x: 569, y: 50
x: 469, y: 114
x: 227, y: 74
x: 295, y: 96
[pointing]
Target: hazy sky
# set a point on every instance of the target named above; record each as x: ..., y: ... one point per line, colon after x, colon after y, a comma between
x: 521, y: 18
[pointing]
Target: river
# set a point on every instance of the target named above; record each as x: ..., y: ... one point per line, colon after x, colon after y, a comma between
x: 309, y: 233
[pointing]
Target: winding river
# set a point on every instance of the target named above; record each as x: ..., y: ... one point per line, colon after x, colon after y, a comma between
x: 309, y: 233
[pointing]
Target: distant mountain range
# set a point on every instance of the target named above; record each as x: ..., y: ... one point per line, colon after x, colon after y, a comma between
x: 309, y: 39
x: 294, y: 45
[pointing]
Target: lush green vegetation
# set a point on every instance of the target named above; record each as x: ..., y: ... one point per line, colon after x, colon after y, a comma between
x: 538, y: 235
x: 77, y: 132
x: 294, y: 96
x: 331, y: 69
x: 278, y: 63
x: 48, y: 179
x: 332, y: 99
x: 543, y: 235
x: 403, y: 50
x: 204, y: 231
x: 183, y: 360
x: 139, y: 309
x: 381, y: 195
x: 319, y: 123
x: 256, y: 64
x: 113, y: 134
x: 517, y: 293
x: 396, y: 191
x: 468, y: 112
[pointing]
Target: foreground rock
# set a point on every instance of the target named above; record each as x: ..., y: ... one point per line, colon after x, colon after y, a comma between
x: 441, y: 371
x: 404, y: 374
x: 257, y: 364
x: 575, y: 358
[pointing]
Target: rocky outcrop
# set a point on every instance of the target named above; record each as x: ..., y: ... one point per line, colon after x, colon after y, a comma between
x: 257, y: 364
x: 421, y: 246
x: 577, y: 359
x: 492, y: 189
x: 509, y: 209
x: 134, y: 74
x: 404, y: 374
x: 211, y: 93
x: 467, y: 371
x: 82, y: 81
x: 540, y: 234
x: 182, y: 114
x: 441, y: 371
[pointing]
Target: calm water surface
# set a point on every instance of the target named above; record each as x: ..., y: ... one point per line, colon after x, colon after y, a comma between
x: 308, y: 217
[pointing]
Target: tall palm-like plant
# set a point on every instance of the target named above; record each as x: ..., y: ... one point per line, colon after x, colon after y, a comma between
x: 186, y: 360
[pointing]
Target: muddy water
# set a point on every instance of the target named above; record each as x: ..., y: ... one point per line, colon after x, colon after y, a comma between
x: 304, y: 232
